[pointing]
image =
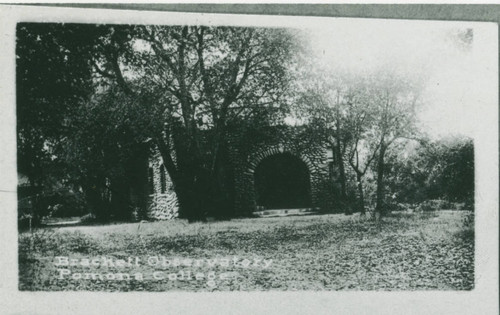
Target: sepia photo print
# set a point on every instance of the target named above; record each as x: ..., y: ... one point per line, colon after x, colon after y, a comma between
x: 221, y: 153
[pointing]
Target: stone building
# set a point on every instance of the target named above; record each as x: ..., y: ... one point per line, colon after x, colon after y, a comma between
x: 282, y: 167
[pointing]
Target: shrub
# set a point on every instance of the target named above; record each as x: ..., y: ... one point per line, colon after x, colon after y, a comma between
x: 66, y: 204
x: 468, y: 220
x: 88, y: 218
x: 469, y: 204
x: 397, y: 206
x: 435, y: 204
x: 26, y: 221
x: 431, y: 205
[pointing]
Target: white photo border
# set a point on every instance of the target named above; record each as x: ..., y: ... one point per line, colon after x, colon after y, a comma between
x: 483, y: 299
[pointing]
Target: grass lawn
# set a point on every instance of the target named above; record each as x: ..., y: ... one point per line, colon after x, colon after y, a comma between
x: 422, y: 251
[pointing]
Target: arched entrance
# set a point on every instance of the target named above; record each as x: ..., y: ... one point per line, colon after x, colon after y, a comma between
x: 282, y: 181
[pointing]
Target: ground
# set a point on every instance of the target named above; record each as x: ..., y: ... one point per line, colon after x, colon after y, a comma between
x: 407, y: 251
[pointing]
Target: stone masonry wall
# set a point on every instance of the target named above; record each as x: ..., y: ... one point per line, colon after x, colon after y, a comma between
x: 246, y: 151
x: 162, y: 205
x: 292, y: 140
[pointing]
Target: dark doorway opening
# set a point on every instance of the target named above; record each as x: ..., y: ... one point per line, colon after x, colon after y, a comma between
x: 282, y: 181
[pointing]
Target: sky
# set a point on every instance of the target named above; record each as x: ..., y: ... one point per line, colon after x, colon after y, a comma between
x: 445, y: 56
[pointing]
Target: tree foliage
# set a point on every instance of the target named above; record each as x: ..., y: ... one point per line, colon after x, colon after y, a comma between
x: 176, y: 87
x: 192, y: 83
x: 93, y: 98
x: 362, y: 115
x: 53, y: 77
x: 438, y: 169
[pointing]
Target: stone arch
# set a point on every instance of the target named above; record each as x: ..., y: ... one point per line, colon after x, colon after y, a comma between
x: 254, y: 159
x: 282, y: 181
x: 247, y: 199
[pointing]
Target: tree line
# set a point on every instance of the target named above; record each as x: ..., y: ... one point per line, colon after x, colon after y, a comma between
x: 92, y: 99
x: 369, y: 120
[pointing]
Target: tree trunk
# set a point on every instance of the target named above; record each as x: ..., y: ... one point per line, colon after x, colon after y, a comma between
x: 200, y: 185
x: 342, y: 177
x: 190, y: 192
x: 222, y: 192
x: 194, y: 184
x: 93, y: 189
x: 379, y: 208
x: 35, y: 195
x: 186, y: 176
x: 361, y: 194
x: 120, y: 198
x: 137, y: 176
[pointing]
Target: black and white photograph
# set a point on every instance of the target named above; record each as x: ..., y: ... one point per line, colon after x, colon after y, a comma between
x: 213, y: 154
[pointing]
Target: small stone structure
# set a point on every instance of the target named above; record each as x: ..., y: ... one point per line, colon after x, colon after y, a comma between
x: 162, y: 204
x: 247, y: 151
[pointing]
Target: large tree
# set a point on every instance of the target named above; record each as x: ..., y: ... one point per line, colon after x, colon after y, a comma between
x: 192, y: 83
x: 395, y: 99
x: 321, y: 103
x: 69, y: 136
x: 361, y: 116
x: 105, y: 154
x: 53, y: 76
